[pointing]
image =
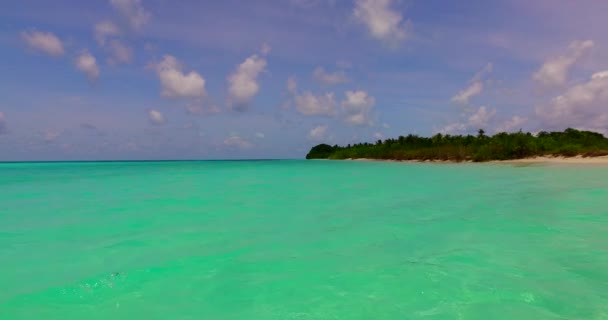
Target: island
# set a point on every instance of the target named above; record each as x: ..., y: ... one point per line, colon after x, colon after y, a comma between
x: 475, y: 148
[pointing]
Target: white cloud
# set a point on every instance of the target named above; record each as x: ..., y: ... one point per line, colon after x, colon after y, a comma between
x: 382, y: 21
x: 475, y: 87
x: 175, y: 83
x: 132, y: 11
x: 318, y: 132
x: 238, y: 142
x: 243, y: 85
x: 582, y: 106
x: 87, y: 63
x: 292, y: 85
x: 326, y: 78
x: 554, y: 71
x: 3, y: 128
x: 474, y: 121
x: 385, y: 125
x: 43, y: 41
x: 104, y: 30
x: 357, y: 105
x: 310, y: 105
x: 465, y: 95
x: 265, y: 49
x: 156, y: 118
x: 119, y: 52
x: 512, y: 124
x: 483, y: 72
x: 378, y: 135
x: 259, y: 135
x: 480, y: 118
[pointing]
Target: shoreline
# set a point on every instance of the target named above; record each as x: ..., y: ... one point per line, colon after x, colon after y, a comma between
x: 601, y: 160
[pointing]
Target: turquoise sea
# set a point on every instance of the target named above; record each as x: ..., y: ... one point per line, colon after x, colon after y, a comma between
x: 302, y: 240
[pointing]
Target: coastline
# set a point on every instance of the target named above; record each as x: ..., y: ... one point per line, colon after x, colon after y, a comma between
x: 600, y: 160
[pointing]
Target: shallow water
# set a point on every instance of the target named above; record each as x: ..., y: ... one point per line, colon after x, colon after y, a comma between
x: 302, y: 240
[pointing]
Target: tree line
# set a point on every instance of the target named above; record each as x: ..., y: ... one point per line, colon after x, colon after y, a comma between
x: 478, y: 148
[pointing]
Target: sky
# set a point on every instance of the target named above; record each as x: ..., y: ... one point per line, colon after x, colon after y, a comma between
x: 189, y: 79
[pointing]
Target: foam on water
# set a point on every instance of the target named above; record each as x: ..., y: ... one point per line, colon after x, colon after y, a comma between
x: 302, y: 240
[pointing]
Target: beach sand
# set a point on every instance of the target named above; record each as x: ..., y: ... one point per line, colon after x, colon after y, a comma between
x: 603, y: 160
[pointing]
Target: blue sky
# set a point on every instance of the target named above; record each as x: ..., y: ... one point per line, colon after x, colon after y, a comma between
x: 160, y: 79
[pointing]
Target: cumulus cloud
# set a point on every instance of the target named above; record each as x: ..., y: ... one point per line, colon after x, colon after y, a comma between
x: 357, y: 105
x: 582, y: 106
x: 3, y: 128
x: 318, y: 132
x: 480, y: 118
x: 43, y: 41
x: 474, y: 121
x: 119, y: 52
x: 382, y: 21
x: 265, y: 49
x: 104, y: 30
x: 292, y: 85
x: 243, y: 85
x: 328, y: 78
x: 475, y: 87
x: 238, y: 142
x: 156, y: 118
x: 311, y: 105
x: 177, y: 84
x: 132, y: 11
x: 86, y: 63
x: 554, y: 72
x: 512, y: 124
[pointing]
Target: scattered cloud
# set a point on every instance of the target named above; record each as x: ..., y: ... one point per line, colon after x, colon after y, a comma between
x: 238, y: 142
x: 378, y: 135
x: 382, y: 21
x: 327, y: 78
x: 3, y: 128
x: 259, y: 135
x: 43, y: 41
x: 476, y: 120
x: 86, y: 63
x: 554, y: 71
x: 292, y: 85
x: 318, y: 133
x: 156, y: 118
x: 243, y: 85
x: 311, y: 105
x: 104, y: 30
x: 177, y: 84
x: 357, y: 105
x: 265, y: 49
x: 475, y: 87
x: 119, y: 52
x: 463, y: 96
x: 480, y: 118
x: 582, y: 106
x: 132, y: 11
x: 385, y: 125
x: 512, y: 124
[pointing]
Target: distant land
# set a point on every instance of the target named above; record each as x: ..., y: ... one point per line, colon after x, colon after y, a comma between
x: 479, y: 148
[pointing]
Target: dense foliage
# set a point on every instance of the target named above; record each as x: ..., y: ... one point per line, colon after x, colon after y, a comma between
x: 502, y: 146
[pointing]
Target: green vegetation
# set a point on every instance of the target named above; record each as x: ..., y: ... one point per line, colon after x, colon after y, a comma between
x: 502, y: 146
